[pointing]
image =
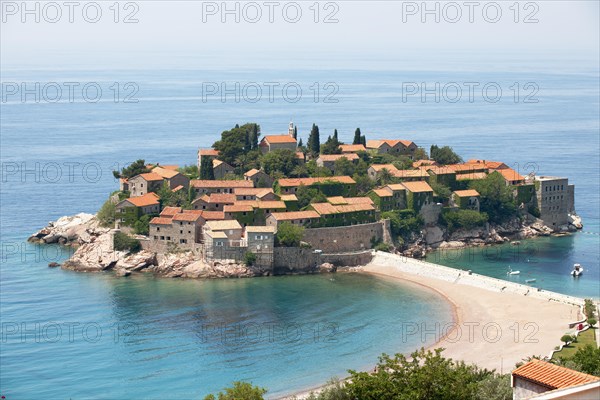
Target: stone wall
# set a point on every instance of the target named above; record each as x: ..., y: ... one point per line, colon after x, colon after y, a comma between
x: 348, y: 259
x: 344, y: 238
x: 290, y: 260
x: 431, y: 213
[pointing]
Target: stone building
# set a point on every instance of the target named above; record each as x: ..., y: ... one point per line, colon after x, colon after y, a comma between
x: 466, y: 199
x: 221, y: 168
x: 182, y: 230
x: 206, y: 153
x: 328, y: 160
x: 396, y: 147
x: 173, y: 178
x: 129, y: 210
x: 301, y: 218
x: 277, y: 142
x: 259, y: 178
x: 218, y: 186
x: 141, y: 184
x: 555, y: 200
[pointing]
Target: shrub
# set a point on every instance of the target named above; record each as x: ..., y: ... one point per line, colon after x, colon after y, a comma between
x: 123, y: 242
x: 466, y: 219
x: 142, y: 225
x: 382, y: 247
x: 566, y: 339
x: 289, y: 235
x: 587, y: 359
x: 239, y: 391
x: 106, y: 214
x: 249, y: 258
x: 592, y: 321
x: 589, y: 308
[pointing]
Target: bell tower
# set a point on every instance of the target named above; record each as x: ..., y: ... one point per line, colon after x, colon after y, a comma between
x: 291, y: 129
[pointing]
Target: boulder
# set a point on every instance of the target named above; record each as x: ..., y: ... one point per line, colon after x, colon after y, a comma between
x: 121, y: 272
x: 53, y: 265
x: 327, y: 268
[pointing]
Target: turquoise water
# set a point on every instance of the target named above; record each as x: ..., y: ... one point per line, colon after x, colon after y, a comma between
x: 164, y: 356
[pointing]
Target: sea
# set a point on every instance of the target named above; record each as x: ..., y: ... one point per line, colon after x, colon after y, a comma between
x: 63, y: 132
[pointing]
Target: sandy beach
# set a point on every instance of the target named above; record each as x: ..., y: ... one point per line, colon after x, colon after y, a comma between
x: 497, y: 323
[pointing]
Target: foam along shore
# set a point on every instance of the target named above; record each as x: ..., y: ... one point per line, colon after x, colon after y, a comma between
x: 498, y: 323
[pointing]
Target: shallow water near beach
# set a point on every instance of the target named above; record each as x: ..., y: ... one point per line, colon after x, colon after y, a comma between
x: 160, y: 351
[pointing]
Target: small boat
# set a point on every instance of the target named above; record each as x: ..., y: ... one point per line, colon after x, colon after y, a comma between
x: 577, y: 270
x: 511, y: 272
x: 530, y: 280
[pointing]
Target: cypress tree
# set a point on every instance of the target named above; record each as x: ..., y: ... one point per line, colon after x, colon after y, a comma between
x: 335, y: 135
x: 314, y: 141
x: 300, y: 142
x: 254, y: 137
x: 247, y: 142
x: 295, y: 132
x: 206, y: 168
x: 357, y: 137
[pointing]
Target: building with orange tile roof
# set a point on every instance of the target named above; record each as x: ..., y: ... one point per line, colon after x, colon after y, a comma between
x: 206, y: 153
x: 465, y: 199
x: 537, y: 376
x: 277, y: 142
x: 259, y: 178
x: 129, y: 210
x: 421, y: 163
x: 218, y: 186
x: 141, y: 184
x: 396, y: 147
x: 511, y: 176
x: 375, y: 170
x: 254, y: 194
x: 418, y: 194
x: 170, y: 211
x: 331, y: 185
x: 301, y: 218
x: 352, y: 148
x: 221, y: 168
x: 173, y: 178
x: 343, y: 214
x: 328, y: 160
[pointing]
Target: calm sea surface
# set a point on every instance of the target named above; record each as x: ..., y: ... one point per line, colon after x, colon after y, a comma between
x: 157, y: 338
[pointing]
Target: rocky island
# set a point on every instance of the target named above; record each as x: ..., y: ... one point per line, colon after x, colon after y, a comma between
x: 274, y: 206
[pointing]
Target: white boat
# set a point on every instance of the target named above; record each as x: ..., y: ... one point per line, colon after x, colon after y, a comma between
x: 511, y: 272
x: 577, y: 270
x: 530, y: 280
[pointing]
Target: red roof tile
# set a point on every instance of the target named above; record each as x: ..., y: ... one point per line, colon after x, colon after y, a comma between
x: 198, y: 183
x: 551, y: 375
x: 417, y: 187
x: 352, y: 148
x: 288, y: 216
x: 279, y: 139
x: 467, y: 193
x: 160, y: 221
x: 290, y: 182
x: 208, y: 152
x: 149, y: 199
x: 170, y: 211
x: 151, y: 176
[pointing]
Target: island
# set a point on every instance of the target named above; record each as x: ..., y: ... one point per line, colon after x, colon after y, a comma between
x: 270, y: 205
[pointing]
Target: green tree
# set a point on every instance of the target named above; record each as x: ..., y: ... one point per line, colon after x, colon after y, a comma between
x: 444, y: 155
x: 421, y: 154
x: 566, y: 339
x: 232, y: 143
x: 281, y: 160
x: 295, y: 132
x: 249, y: 258
x: 106, y: 213
x: 385, y: 177
x: 496, y: 197
x: 124, y: 242
x: 587, y: 359
x: 331, y: 146
x: 239, y: 391
x: 206, y: 168
x: 289, y: 235
x: 300, y: 144
x: 254, y: 134
x: 142, y: 225
x: 441, y: 191
x: 357, y: 137
x: 314, y: 140
x: 343, y: 167
x: 191, y: 171
x: 466, y: 219
x: 425, y: 375
x: 133, y: 169
x: 495, y: 387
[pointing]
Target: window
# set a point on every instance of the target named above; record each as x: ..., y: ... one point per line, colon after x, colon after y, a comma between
x: 181, y: 232
x: 168, y: 237
x: 158, y: 229
x: 162, y: 238
x: 219, y: 244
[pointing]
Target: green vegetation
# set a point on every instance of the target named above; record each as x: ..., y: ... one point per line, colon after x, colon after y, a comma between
x: 142, y: 225
x: 587, y: 359
x: 584, y: 339
x: 180, y: 198
x: 441, y: 192
x: 589, y: 308
x: 106, y: 214
x: 567, y: 338
x: 462, y: 219
x: 281, y: 161
x: 289, y: 235
x: 191, y: 171
x: 238, y: 147
x: 383, y: 247
x: 496, y: 198
x: 135, y: 168
x: 206, y: 168
x: 444, y: 155
x: 249, y: 258
x: 314, y: 141
x: 124, y: 242
x: 359, y: 138
x: 239, y: 391
x: 331, y: 145
x: 404, y: 223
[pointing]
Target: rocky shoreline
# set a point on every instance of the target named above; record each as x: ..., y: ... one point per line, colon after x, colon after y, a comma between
x: 94, y: 248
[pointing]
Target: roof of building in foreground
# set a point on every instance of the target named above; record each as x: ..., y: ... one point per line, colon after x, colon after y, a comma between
x: 551, y: 375
x: 289, y: 182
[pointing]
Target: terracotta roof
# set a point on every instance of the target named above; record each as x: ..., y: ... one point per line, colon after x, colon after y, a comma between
x: 208, y: 152
x: 171, y: 167
x: 199, y: 212
x: 488, y: 164
x: 150, y: 176
x: 380, y: 167
x: 213, y: 215
x: 223, y: 225
x: 149, y: 199
x: 420, y: 163
x: 383, y: 192
x: 262, y: 204
x: 352, y: 148
x: 326, y: 208
x: 464, y: 168
x: 219, y: 198
x: 217, y: 234
x: 417, y: 187
x: 466, y: 193
x: 300, y: 155
x: 396, y: 187
x: 170, y: 211
x: 124, y: 180
x: 160, y: 221
x: 216, y: 163
x: 551, y: 375
x: 510, y: 174
x: 440, y: 170
x: 471, y: 176
x: 264, y: 229
x: 165, y: 173
x: 288, y: 197
x: 177, y: 188
x: 199, y: 183
x: 238, y: 208
x: 339, y: 200
x: 409, y: 173
x: 279, y: 139
x: 252, y: 191
x: 290, y: 182
x: 187, y: 217
x: 252, y: 172
x: 335, y: 157
x: 375, y: 144
x: 288, y: 216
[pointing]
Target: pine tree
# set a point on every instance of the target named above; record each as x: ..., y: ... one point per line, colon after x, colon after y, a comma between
x: 357, y: 137
x: 300, y: 144
x: 295, y: 132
